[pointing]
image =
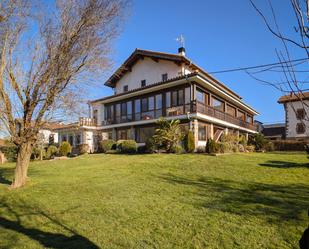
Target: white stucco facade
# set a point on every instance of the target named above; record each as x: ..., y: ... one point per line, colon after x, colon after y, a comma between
x: 151, y: 71
x: 47, y: 134
x: 292, y: 120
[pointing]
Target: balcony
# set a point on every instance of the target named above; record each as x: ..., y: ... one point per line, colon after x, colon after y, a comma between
x: 212, y: 112
x: 172, y: 112
x: 87, y: 122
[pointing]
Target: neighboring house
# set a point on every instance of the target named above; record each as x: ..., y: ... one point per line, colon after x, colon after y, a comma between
x: 296, y: 108
x: 274, y: 131
x: 49, y: 132
x: 150, y: 85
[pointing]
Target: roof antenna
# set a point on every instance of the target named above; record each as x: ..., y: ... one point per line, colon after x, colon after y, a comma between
x: 181, y: 49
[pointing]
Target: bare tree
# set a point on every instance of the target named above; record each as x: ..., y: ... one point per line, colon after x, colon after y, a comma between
x: 46, y: 54
x: 293, y: 73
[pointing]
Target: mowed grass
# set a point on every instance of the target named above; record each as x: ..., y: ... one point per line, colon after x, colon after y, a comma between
x: 158, y: 201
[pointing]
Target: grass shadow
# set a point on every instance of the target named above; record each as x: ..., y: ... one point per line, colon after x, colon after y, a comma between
x: 284, y: 164
x: 3, y: 173
x: 271, y: 201
x: 46, y: 239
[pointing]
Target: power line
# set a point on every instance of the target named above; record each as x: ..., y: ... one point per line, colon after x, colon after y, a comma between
x: 258, y: 66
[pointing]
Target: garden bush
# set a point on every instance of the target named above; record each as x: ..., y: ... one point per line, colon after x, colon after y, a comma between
x: 82, y: 149
x: 108, y: 144
x: 141, y: 149
x: 127, y: 146
x: 269, y: 146
x: 289, y: 145
x: 212, y: 146
x: 52, y: 151
x: 189, y: 142
x: 150, y: 145
x: 178, y: 149
x: 37, y: 153
x: 242, y: 140
x: 65, y: 149
x: 250, y: 148
x: 258, y: 140
x: 241, y: 148
x: 10, y: 152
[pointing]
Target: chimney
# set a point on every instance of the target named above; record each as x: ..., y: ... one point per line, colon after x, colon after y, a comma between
x: 182, y: 51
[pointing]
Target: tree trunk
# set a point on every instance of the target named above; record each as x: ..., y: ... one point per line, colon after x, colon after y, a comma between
x: 22, y: 164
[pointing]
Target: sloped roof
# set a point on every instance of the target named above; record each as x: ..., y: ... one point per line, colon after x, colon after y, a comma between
x: 294, y: 97
x: 140, y: 54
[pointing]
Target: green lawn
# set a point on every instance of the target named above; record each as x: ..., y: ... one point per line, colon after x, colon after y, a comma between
x: 158, y: 201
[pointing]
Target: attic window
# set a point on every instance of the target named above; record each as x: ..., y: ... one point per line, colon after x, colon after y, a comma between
x: 143, y: 83
x: 164, y: 77
x: 125, y: 88
x: 300, y: 113
x: 300, y: 128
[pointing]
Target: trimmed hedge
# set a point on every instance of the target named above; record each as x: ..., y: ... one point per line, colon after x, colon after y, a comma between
x: 212, y: 146
x: 82, y: 149
x: 65, y: 149
x: 189, y: 142
x: 51, y: 151
x: 10, y: 152
x: 107, y: 145
x: 289, y: 145
x: 127, y: 146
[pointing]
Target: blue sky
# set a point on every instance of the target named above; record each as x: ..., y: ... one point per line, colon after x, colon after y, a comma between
x: 219, y: 35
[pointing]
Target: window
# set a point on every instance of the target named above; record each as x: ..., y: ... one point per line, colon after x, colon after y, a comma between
x: 168, y: 99
x: 95, y: 116
x: 142, y: 134
x: 249, y: 119
x: 202, y: 132
x: 180, y: 97
x: 129, y: 108
x: 143, y: 83
x: 174, y: 98
x: 123, y: 109
x: 158, y: 105
x: 164, y: 77
x: 64, y: 138
x: 218, y: 104
x: 71, y: 140
x: 123, y: 134
x: 241, y: 115
x: 137, y: 109
x: 300, y: 113
x: 144, y: 105
x: 125, y: 88
x: 118, y: 112
x: 231, y: 110
x: 200, y: 97
x: 177, y: 97
x: 150, y: 103
x: 78, y: 139
x: 300, y: 128
x: 187, y: 95
x: 109, y: 112
x: 158, y: 101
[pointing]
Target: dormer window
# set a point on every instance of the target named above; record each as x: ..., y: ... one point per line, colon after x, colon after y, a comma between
x: 164, y: 77
x: 143, y: 83
x: 125, y: 88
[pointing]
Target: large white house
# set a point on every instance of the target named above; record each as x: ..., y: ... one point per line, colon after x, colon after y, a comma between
x: 296, y: 108
x: 150, y: 85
